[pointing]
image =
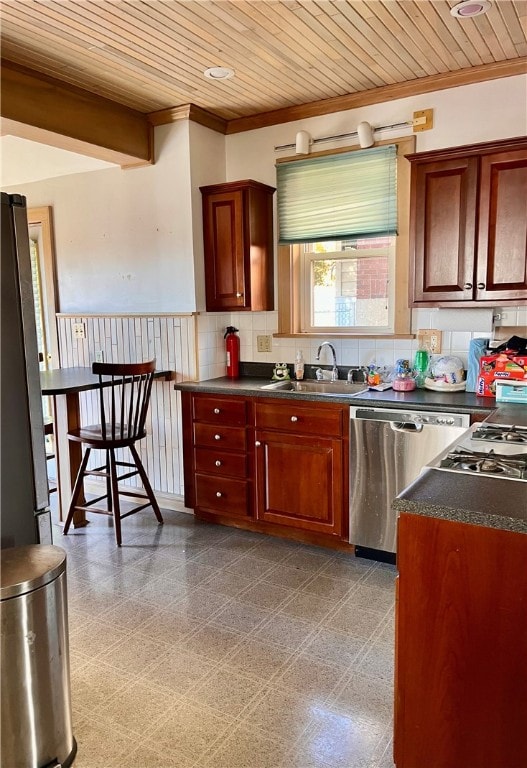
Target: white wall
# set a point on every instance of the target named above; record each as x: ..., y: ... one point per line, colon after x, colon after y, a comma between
x: 466, y: 115
x: 124, y: 239
x: 473, y: 113
x: 207, y: 164
x: 24, y: 161
x: 131, y: 241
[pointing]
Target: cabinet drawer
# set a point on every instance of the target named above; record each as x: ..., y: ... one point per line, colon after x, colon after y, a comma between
x: 222, y: 495
x: 299, y: 419
x: 219, y: 410
x: 219, y: 463
x: 220, y: 437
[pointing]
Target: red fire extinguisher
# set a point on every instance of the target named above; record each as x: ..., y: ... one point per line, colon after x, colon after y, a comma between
x: 232, y: 345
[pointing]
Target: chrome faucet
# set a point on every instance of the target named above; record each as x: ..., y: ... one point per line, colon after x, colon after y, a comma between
x: 335, y: 371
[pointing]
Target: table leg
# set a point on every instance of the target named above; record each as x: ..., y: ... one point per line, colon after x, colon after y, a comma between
x: 69, y: 453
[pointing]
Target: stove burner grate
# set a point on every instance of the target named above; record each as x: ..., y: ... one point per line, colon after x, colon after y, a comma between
x: 501, y: 434
x: 489, y: 463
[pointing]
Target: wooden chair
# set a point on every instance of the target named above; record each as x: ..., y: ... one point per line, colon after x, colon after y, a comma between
x: 123, y: 402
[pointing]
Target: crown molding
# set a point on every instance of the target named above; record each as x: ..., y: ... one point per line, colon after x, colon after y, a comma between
x: 188, y: 112
x: 416, y: 87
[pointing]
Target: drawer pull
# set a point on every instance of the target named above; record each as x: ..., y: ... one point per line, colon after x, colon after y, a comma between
x: 467, y: 286
x: 217, y: 463
x: 216, y: 410
x: 219, y: 494
x: 294, y: 418
x: 239, y: 295
x: 481, y: 286
x: 257, y: 443
x: 217, y: 437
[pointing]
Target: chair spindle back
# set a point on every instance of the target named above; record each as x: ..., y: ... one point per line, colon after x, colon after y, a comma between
x: 128, y: 396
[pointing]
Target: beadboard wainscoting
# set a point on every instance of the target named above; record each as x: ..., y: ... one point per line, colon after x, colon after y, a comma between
x: 171, y: 339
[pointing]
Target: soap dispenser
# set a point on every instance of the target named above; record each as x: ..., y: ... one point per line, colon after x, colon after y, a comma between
x: 299, y: 365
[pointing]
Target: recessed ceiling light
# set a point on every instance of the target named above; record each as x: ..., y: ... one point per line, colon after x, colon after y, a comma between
x: 468, y: 8
x: 219, y: 73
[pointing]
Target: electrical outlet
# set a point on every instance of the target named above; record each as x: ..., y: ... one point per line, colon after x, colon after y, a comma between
x: 79, y: 331
x: 99, y: 356
x: 264, y: 343
x: 430, y: 339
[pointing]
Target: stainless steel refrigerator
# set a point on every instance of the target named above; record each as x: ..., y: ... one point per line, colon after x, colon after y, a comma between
x: 25, y: 516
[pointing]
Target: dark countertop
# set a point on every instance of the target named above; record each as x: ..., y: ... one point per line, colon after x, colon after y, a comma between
x: 509, y: 413
x: 485, y: 501
x: 456, y: 402
x: 64, y: 381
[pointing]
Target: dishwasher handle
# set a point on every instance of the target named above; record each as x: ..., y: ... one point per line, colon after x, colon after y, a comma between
x: 406, y: 426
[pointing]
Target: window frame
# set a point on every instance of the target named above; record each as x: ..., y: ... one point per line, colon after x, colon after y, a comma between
x: 289, y: 272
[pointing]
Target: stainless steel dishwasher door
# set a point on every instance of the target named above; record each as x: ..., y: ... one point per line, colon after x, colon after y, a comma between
x: 388, y: 449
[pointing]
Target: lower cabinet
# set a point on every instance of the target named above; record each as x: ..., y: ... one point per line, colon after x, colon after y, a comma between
x: 215, y: 455
x: 299, y: 467
x: 461, y: 637
x: 274, y: 464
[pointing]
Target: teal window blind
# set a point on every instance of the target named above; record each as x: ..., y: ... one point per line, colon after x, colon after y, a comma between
x: 338, y: 197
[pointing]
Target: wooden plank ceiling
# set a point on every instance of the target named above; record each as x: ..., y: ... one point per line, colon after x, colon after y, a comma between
x: 150, y: 55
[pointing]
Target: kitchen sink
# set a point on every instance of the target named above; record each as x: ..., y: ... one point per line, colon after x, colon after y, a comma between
x: 311, y: 387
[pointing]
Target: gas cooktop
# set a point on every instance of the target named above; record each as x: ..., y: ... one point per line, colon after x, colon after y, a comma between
x: 488, y: 449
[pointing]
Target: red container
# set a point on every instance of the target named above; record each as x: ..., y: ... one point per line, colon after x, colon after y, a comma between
x: 232, y: 345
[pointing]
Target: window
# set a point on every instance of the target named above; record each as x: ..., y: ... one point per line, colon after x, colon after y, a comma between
x: 348, y: 284
x: 356, y: 281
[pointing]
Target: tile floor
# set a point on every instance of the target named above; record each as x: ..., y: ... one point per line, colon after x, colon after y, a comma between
x: 200, y: 645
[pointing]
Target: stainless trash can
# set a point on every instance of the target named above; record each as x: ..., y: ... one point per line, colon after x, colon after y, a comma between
x: 36, y: 703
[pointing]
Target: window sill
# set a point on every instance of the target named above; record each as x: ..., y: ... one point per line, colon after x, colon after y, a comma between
x: 332, y: 335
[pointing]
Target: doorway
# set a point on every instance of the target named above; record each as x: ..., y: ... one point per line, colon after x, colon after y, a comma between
x: 42, y: 254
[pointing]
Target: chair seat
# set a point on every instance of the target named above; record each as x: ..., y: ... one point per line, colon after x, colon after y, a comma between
x: 92, y: 435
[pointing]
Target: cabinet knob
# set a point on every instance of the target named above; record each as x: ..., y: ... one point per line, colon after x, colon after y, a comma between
x: 467, y: 286
x: 216, y: 410
x: 239, y: 295
x: 217, y: 463
x: 219, y: 494
x: 257, y: 443
x: 294, y: 418
x: 217, y: 437
x: 481, y: 286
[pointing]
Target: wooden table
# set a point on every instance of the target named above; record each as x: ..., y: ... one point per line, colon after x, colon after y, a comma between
x: 64, y: 386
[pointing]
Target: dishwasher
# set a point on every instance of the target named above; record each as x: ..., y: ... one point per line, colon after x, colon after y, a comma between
x: 388, y: 450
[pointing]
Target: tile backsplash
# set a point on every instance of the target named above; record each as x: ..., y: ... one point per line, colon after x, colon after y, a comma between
x: 458, y: 327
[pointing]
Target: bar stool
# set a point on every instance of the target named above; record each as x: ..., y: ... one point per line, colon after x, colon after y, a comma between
x: 123, y: 402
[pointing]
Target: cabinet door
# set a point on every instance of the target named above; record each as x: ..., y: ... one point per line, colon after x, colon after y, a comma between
x: 443, y: 227
x: 502, y: 240
x: 461, y: 639
x: 223, y: 233
x: 299, y: 481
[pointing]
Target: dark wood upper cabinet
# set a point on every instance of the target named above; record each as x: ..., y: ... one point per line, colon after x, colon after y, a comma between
x: 238, y: 246
x: 468, y: 225
x: 502, y: 237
